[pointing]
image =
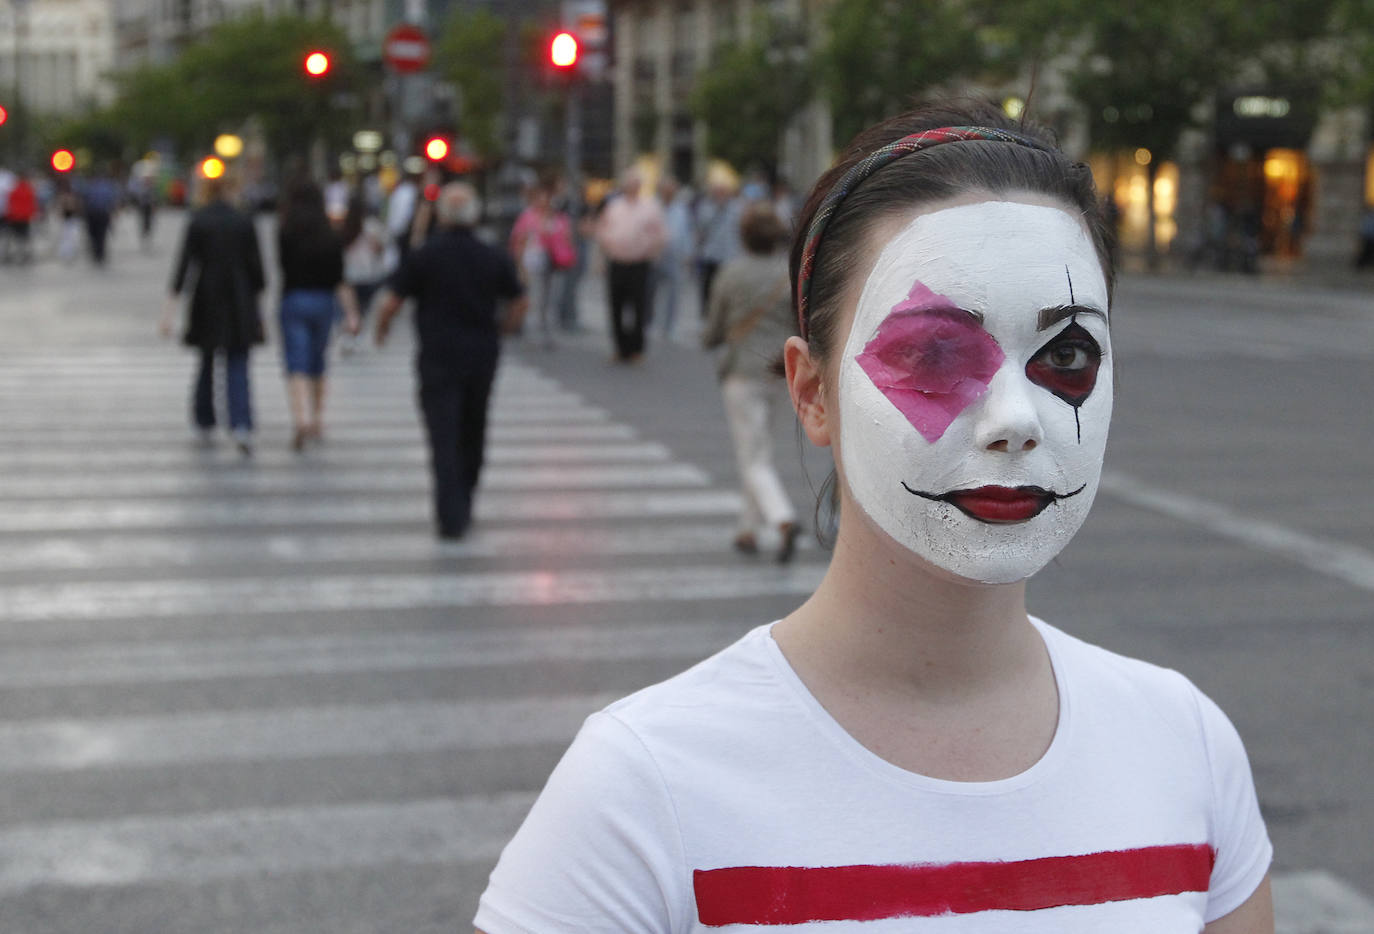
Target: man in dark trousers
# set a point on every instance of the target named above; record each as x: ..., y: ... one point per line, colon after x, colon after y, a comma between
x: 459, y: 284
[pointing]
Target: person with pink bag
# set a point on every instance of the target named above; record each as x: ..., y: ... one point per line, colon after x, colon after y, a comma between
x: 541, y: 242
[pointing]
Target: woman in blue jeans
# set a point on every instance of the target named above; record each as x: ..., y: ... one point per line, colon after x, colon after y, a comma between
x: 312, y: 289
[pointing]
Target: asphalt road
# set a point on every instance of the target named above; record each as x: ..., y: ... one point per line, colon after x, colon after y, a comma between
x: 258, y: 696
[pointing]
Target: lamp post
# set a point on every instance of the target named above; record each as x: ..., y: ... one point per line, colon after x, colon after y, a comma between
x: 20, y: 116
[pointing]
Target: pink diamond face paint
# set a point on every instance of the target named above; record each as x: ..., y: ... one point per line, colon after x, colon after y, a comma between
x: 931, y: 360
x: 976, y: 387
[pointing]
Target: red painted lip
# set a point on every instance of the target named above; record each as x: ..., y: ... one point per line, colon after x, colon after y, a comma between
x: 1001, y: 503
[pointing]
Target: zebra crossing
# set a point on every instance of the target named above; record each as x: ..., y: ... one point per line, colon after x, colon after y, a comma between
x: 258, y: 695
x: 252, y: 694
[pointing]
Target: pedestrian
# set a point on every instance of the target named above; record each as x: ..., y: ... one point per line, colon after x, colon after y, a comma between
x: 401, y: 205
x: 219, y: 263
x: 751, y: 315
x: 69, y: 220
x: 99, y: 201
x: 459, y: 284
x: 583, y: 232
x: 143, y: 194
x: 541, y: 242
x: 631, y: 234
x: 21, y: 207
x: 908, y: 750
x: 311, y: 255
x: 673, y: 270
x: 367, y: 257
x: 717, y: 220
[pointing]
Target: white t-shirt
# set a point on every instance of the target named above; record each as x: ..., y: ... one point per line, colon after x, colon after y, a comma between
x: 726, y: 798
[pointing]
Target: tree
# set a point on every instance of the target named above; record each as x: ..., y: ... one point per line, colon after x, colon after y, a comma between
x: 1146, y: 72
x: 752, y: 91
x: 248, y: 68
x: 879, y: 55
x: 471, y: 55
x: 253, y: 67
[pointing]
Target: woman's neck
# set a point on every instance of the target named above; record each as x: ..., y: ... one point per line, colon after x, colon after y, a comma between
x: 886, y: 616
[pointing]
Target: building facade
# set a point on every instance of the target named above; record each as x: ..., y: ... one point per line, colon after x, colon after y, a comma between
x: 56, y: 55
x: 659, y: 48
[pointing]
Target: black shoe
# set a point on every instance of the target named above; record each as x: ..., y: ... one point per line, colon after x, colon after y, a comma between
x: 452, y: 533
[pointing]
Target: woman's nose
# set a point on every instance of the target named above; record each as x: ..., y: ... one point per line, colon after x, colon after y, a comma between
x: 1007, y: 419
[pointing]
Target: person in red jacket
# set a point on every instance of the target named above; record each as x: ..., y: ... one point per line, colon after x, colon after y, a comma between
x: 20, y: 209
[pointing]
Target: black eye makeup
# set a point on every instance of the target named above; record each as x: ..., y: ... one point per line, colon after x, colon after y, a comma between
x: 1067, y: 366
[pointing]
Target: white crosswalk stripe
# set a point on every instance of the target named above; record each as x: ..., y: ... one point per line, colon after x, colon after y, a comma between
x: 180, y: 533
x: 123, y: 538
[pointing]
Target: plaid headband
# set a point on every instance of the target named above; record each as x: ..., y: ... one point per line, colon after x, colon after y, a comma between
x: 872, y: 163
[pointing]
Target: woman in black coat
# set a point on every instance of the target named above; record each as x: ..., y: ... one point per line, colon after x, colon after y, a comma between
x: 221, y: 246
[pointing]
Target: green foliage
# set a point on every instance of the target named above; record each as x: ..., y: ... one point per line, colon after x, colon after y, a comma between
x: 470, y: 53
x: 245, y: 69
x: 882, y: 54
x: 751, y: 91
x: 1146, y: 68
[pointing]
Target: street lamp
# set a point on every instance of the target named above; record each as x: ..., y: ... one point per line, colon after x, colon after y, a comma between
x: 228, y: 146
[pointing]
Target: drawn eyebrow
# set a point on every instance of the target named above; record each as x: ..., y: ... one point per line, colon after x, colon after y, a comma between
x: 1049, y: 317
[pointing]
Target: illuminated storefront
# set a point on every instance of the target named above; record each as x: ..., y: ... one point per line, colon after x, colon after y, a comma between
x: 1261, y: 186
x: 1126, y: 175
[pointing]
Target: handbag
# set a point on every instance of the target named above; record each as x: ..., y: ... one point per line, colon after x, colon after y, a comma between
x: 558, y: 243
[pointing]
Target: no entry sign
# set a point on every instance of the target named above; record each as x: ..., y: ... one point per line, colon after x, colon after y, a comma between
x: 406, y: 48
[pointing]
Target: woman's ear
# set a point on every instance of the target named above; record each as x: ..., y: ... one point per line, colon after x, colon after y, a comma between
x: 805, y: 384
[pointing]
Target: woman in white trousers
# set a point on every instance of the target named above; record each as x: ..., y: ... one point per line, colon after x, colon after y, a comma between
x: 749, y: 312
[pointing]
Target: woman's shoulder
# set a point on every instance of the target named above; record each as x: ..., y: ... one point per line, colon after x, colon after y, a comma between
x: 733, y: 679
x: 1116, y: 681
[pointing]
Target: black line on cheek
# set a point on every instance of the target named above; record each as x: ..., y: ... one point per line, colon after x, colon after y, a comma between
x: 1077, y: 425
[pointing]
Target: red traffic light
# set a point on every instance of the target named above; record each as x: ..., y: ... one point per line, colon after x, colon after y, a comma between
x: 563, y: 50
x: 63, y: 160
x: 436, y: 148
x: 317, y: 64
x: 4, y: 115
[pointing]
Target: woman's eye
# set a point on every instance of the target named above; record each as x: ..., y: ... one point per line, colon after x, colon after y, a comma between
x: 1069, y: 356
x: 1067, y: 366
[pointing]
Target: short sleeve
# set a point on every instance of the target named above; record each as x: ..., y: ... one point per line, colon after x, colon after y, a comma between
x: 600, y: 850
x: 1243, y: 850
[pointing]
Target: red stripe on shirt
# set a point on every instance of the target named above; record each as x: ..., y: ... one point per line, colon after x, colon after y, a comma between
x: 795, y: 895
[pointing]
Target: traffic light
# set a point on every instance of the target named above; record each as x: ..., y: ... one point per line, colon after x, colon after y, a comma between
x: 317, y: 64
x: 211, y: 167
x: 63, y: 160
x: 436, y: 148
x: 4, y: 115
x: 563, y: 52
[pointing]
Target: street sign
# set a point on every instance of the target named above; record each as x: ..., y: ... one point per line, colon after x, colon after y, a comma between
x: 406, y: 49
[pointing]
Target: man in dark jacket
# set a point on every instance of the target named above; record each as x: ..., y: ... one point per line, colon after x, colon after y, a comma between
x: 458, y: 283
x: 221, y: 246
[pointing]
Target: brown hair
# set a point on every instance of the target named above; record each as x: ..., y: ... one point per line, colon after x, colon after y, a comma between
x: 933, y: 174
x: 760, y: 229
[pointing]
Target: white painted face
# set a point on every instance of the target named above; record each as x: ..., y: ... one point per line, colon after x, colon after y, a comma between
x: 975, y: 388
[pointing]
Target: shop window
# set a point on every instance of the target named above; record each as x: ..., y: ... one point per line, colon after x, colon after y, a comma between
x: 1126, y: 176
x: 1369, y: 178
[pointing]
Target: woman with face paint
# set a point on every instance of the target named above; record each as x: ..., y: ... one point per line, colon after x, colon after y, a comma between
x: 909, y: 750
